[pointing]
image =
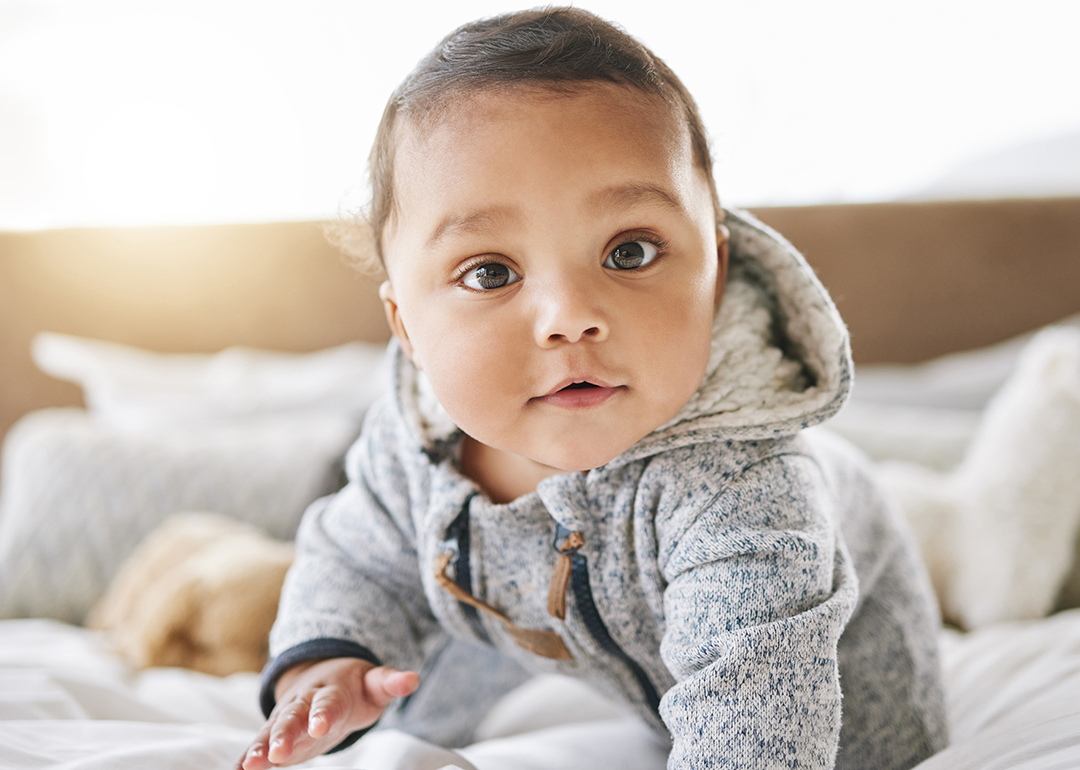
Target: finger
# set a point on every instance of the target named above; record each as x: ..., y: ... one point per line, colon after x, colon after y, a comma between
x: 255, y: 757
x: 383, y: 684
x: 328, y: 707
x: 287, y: 727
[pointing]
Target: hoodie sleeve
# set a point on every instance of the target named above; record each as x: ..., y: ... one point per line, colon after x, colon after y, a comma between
x: 355, y: 586
x: 759, y: 588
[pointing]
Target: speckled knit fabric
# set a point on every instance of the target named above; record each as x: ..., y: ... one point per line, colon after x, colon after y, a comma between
x: 743, y: 586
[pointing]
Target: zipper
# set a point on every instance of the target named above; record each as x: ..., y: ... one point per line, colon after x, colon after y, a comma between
x: 579, y: 584
x: 458, y: 540
x: 543, y: 642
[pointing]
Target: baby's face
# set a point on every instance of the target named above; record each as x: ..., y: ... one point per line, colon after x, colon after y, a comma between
x: 554, y: 265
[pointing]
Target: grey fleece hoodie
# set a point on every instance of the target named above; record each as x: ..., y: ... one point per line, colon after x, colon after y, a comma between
x: 740, y: 583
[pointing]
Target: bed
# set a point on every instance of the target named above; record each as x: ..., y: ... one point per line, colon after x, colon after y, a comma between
x: 216, y: 369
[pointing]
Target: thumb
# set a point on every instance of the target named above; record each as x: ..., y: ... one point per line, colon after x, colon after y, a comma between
x: 383, y: 684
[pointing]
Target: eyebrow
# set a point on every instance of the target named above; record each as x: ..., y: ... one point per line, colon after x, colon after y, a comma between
x: 625, y: 196
x: 472, y: 222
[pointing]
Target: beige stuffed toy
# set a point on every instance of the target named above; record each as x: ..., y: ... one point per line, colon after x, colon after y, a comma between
x: 200, y: 592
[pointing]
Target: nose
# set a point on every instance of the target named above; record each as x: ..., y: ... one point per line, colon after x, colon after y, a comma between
x: 570, y: 313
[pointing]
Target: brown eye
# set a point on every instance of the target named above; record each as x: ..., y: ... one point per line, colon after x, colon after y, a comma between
x: 631, y: 255
x: 490, y: 276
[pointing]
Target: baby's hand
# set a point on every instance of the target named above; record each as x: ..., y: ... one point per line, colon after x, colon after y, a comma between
x: 320, y: 704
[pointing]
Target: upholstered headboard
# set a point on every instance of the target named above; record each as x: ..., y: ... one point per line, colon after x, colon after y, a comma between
x: 912, y: 280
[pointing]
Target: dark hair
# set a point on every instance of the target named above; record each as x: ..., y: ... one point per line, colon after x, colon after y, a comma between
x: 556, y: 48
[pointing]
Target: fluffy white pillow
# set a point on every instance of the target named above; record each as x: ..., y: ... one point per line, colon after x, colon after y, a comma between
x: 993, y: 495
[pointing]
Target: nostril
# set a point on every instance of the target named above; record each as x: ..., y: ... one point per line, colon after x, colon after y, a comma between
x: 592, y: 333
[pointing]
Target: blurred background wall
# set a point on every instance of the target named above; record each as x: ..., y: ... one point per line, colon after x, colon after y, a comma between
x: 129, y: 112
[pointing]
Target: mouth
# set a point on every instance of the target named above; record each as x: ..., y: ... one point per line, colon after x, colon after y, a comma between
x: 579, y: 394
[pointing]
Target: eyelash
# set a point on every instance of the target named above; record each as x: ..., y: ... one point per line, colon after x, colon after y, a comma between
x: 656, y: 241
x: 660, y: 244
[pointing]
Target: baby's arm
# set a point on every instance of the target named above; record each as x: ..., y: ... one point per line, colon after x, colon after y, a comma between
x: 321, y: 703
x: 756, y: 599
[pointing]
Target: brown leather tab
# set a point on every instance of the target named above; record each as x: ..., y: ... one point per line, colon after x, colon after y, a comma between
x: 560, y: 584
x: 573, y: 542
x: 560, y: 578
x: 545, y: 643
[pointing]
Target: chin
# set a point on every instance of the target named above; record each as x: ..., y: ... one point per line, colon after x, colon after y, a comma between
x: 582, y: 462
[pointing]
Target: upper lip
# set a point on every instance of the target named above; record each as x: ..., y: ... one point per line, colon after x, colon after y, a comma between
x: 577, y: 380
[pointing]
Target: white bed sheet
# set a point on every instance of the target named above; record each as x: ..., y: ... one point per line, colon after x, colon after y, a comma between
x: 66, y: 702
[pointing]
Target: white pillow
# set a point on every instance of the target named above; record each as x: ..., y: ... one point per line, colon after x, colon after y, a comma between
x: 129, y: 387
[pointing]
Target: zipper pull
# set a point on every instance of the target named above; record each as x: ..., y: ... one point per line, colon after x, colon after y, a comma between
x: 560, y: 578
x: 546, y: 643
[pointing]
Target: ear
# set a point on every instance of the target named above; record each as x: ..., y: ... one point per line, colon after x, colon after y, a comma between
x: 393, y: 317
x: 722, y: 252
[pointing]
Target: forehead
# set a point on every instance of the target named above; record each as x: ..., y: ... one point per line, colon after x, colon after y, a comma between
x: 527, y: 147
x: 465, y: 103
x: 470, y: 121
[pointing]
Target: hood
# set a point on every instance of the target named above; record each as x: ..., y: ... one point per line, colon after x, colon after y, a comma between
x: 780, y: 359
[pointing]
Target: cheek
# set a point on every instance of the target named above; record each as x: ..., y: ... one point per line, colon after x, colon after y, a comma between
x: 678, y: 338
x: 471, y: 368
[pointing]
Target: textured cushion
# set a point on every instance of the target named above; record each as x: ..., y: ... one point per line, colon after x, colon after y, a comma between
x: 78, y: 497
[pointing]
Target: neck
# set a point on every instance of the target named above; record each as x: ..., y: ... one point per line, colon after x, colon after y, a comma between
x: 502, y: 476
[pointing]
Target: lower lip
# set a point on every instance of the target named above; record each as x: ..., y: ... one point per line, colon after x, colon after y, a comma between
x: 578, y: 398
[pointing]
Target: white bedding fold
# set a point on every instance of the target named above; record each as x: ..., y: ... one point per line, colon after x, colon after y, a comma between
x: 66, y: 703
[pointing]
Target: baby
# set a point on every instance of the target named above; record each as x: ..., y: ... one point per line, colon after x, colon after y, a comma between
x: 591, y: 461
